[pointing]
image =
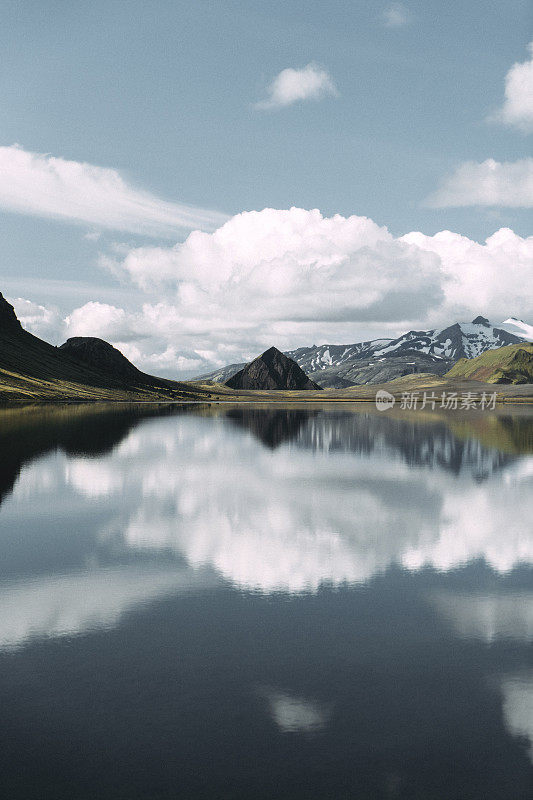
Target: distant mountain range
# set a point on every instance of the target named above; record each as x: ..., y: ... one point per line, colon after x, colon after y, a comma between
x: 382, y: 360
x: 87, y: 368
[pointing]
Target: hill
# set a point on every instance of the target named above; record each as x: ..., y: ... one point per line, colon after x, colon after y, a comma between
x: 271, y: 370
x: 103, y: 357
x: 512, y: 364
x: 31, y: 369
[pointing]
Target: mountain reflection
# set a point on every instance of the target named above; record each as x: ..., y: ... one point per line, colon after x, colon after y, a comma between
x: 335, y: 497
x: 270, y: 427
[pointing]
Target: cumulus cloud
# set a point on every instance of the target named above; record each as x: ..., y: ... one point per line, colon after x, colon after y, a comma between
x: 294, y: 277
x: 293, y: 85
x: 39, y: 320
x: 489, y: 183
x: 490, y: 277
x: 105, y: 321
x: 517, y: 108
x: 395, y: 16
x: 45, y: 186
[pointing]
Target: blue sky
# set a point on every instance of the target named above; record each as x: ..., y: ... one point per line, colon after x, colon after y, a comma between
x: 166, y: 94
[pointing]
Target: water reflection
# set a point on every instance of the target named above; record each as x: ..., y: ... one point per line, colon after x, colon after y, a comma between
x: 295, y: 714
x: 208, y: 602
x: 333, y: 498
x: 488, y: 617
x: 517, y: 691
x: 64, y: 605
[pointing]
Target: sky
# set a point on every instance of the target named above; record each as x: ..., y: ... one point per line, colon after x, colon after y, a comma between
x: 196, y: 182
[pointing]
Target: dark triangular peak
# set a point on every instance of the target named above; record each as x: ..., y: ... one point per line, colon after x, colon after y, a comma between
x: 271, y: 370
x: 100, y: 355
x: 481, y: 321
x: 8, y: 318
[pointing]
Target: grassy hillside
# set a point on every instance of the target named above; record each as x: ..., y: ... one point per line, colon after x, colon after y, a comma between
x: 512, y: 364
x: 31, y: 369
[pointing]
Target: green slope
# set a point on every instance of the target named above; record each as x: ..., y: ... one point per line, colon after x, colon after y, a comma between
x: 511, y: 364
x: 31, y: 369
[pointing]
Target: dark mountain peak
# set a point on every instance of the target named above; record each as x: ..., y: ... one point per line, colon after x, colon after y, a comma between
x: 271, y: 355
x: 481, y: 321
x: 271, y: 370
x: 100, y: 355
x: 8, y: 318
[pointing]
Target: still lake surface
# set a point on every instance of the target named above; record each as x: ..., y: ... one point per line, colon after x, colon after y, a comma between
x: 223, y: 603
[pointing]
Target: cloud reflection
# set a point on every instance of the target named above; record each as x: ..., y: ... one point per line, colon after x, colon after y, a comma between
x: 488, y: 617
x: 517, y: 691
x: 334, y: 505
x: 67, y: 605
x: 295, y: 714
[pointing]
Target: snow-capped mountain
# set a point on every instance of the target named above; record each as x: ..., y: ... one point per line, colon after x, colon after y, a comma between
x: 381, y: 360
x: 518, y: 328
x: 312, y: 359
x: 461, y: 340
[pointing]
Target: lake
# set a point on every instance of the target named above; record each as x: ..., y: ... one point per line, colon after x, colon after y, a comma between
x: 265, y: 602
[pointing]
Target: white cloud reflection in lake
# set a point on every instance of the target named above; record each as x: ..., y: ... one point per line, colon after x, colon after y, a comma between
x: 293, y: 517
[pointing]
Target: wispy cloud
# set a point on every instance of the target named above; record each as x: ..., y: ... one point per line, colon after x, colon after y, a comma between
x: 45, y: 186
x: 395, y: 15
x: 294, y: 85
x: 489, y: 183
x: 517, y: 108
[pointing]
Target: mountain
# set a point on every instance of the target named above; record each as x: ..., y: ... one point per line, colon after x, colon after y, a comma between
x: 8, y: 319
x: 103, y: 357
x: 221, y: 375
x: 32, y: 369
x: 519, y: 328
x: 382, y: 360
x: 511, y: 364
x: 271, y: 370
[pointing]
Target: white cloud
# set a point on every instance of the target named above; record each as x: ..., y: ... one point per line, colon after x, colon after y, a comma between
x: 517, y: 109
x: 42, y: 321
x: 395, y: 16
x: 45, y: 186
x: 92, y: 236
x: 105, y: 321
x: 485, y: 278
x: 292, y: 85
x: 489, y: 183
x: 294, y: 277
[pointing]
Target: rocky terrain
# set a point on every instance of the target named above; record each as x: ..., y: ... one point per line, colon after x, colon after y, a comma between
x: 375, y: 361
x: 102, y: 356
x: 272, y: 370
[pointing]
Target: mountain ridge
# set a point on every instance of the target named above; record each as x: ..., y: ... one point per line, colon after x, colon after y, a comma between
x: 381, y: 360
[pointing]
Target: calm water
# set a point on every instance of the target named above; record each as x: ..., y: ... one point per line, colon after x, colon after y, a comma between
x: 220, y: 603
